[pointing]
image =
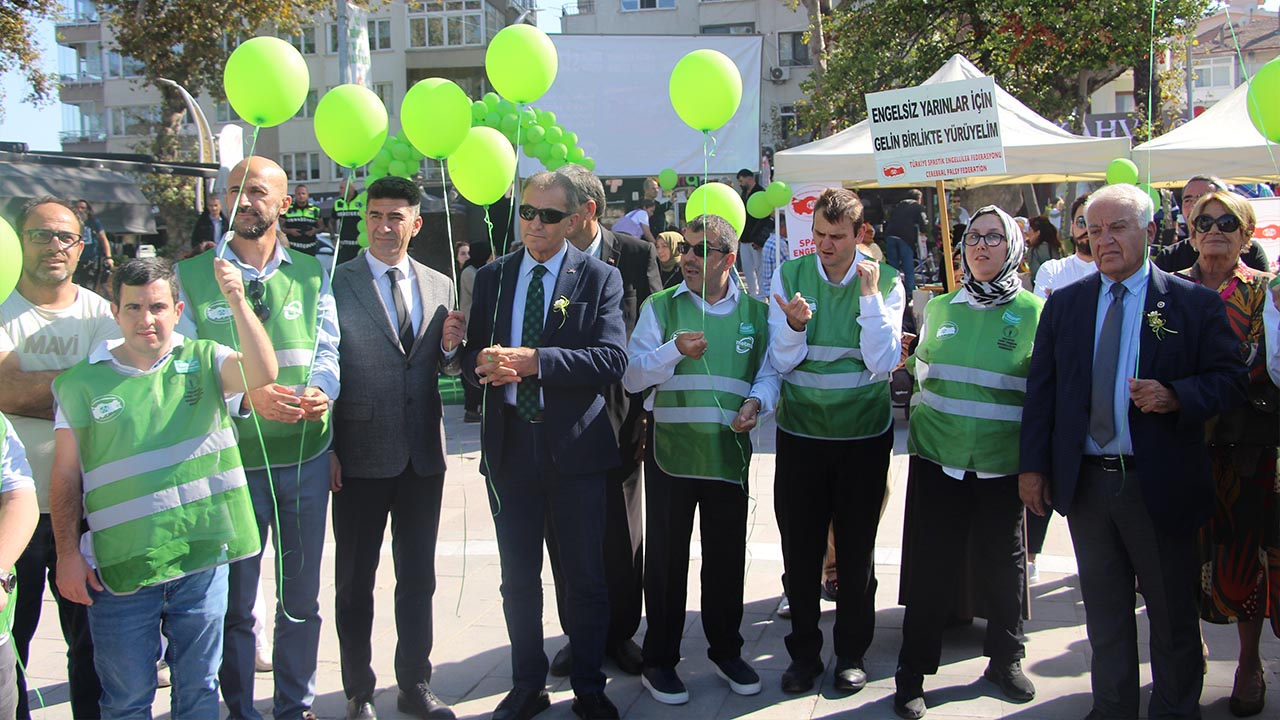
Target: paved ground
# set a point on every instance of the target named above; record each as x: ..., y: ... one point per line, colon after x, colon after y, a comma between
x: 472, y: 664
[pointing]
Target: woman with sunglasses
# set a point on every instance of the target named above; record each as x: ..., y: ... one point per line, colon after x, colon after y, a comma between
x: 971, y: 376
x: 1240, y: 547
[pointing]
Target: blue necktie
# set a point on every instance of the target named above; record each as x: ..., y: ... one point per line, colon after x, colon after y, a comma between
x: 1102, y: 422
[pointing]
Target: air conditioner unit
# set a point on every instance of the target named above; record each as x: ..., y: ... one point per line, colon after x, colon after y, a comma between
x: 779, y: 74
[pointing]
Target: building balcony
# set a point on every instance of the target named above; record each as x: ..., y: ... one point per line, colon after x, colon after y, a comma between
x: 77, y: 18
x: 80, y: 78
x: 73, y: 137
x: 582, y: 7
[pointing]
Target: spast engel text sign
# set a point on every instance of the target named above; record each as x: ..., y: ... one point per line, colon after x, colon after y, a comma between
x: 936, y: 132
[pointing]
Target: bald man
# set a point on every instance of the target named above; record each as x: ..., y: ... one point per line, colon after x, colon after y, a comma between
x: 290, y: 294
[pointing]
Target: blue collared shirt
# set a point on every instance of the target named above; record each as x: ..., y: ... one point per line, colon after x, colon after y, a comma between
x: 324, y: 367
x: 553, y: 266
x: 1130, y: 329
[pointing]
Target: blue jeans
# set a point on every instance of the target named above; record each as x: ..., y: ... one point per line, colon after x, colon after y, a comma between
x: 126, y: 645
x: 900, y: 254
x: 302, y: 502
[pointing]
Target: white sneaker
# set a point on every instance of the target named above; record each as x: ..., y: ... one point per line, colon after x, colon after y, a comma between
x: 163, y: 678
x: 784, y: 608
x: 262, y: 659
x: 1033, y: 574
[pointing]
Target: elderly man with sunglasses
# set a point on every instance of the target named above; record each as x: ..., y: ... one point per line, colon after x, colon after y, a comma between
x: 48, y: 325
x: 285, y: 446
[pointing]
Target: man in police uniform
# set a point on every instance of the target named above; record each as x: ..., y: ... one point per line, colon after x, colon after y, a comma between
x: 301, y: 222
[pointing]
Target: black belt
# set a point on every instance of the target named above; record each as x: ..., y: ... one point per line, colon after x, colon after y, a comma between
x: 511, y: 412
x: 1112, y: 463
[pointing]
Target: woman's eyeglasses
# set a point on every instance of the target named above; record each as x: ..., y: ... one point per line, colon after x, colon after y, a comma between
x: 256, y: 291
x: 40, y: 236
x: 1226, y: 223
x: 700, y: 250
x: 990, y: 239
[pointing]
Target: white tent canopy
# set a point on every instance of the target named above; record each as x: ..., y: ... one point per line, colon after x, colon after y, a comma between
x: 1035, y: 149
x: 1222, y: 142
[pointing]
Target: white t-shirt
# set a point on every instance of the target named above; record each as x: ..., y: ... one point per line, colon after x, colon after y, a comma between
x: 1057, y: 274
x: 46, y: 339
x: 633, y: 223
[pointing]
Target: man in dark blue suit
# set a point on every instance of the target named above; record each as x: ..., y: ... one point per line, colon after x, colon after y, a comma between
x: 546, y: 338
x: 1128, y: 366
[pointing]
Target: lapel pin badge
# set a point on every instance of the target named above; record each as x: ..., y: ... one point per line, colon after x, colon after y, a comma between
x: 1160, y: 304
x: 570, y: 271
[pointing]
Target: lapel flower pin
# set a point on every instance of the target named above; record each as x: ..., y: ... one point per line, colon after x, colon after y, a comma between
x: 1155, y: 321
x: 561, y: 306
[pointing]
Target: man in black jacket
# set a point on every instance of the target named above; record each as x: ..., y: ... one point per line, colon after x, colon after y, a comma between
x: 210, y: 225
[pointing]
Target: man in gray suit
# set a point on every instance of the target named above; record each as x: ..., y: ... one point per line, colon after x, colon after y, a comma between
x: 389, y: 443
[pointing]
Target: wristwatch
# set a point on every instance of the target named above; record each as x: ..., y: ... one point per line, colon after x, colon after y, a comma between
x: 8, y: 581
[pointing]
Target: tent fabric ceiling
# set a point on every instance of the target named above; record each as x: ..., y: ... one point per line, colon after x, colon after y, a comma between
x: 1036, y: 150
x: 116, y: 199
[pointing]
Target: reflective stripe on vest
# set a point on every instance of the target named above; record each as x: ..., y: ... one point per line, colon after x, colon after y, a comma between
x: 831, y: 395
x: 292, y: 292
x: 971, y: 377
x: 694, y: 410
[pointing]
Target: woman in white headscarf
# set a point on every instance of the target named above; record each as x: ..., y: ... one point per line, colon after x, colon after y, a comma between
x: 971, y: 368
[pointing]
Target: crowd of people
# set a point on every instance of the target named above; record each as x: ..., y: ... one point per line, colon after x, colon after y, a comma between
x: 154, y: 443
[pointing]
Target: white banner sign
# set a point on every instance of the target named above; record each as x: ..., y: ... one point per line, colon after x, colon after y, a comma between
x: 935, y: 132
x: 1267, y: 231
x: 800, y: 218
x: 358, y: 59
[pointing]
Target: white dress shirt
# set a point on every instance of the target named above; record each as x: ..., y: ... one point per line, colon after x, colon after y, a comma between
x: 408, y: 290
x: 527, y: 262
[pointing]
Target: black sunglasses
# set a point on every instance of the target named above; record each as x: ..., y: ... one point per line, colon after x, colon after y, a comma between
x: 548, y: 216
x: 257, y: 291
x: 41, y: 236
x: 700, y: 250
x: 1226, y: 223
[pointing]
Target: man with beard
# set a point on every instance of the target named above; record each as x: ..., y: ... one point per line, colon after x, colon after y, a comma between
x: 301, y: 222
x: 1056, y: 274
x: 47, y: 325
x: 290, y: 294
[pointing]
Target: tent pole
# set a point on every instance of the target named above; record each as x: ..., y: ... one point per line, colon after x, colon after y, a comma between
x: 948, y: 267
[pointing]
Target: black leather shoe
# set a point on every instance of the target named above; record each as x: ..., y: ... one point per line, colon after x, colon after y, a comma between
x: 420, y: 702
x: 1008, y: 676
x: 908, y: 696
x: 562, y: 663
x: 594, y: 706
x: 361, y: 708
x: 522, y: 704
x: 851, y: 675
x: 799, y: 677
x: 628, y: 657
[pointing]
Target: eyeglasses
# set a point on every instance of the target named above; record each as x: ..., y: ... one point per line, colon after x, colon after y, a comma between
x: 257, y: 291
x: 548, y: 216
x: 700, y: 250
x: 991, y: 239
x: 40, y: 236
x: 1226, y: 223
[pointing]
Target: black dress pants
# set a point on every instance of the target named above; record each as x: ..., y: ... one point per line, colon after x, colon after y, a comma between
x: 948, y: 511
x: 360, y: 512
x: 819, y: 482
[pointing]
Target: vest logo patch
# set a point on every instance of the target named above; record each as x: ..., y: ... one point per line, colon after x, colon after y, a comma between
x: 1010, y: 318
x: 186, y: 367
x: 218, y: 312
x: 946, y: 330
x: 746, y: 328
x: 106, y: 408
x: 745, y: 344
x: 293, y: 310
x: 1008, y: 337
x: 813, y: 304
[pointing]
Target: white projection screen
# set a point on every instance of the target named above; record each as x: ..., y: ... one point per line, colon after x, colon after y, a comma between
x: 612, y: 91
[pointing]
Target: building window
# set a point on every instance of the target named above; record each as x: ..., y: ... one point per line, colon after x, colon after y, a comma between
x: 446, y: 23
x: 308, y: 108
x: 793, y: 51
x: 123, y: 66
x: 633, y: 5
x: 340, y: 173
x: 223, y: 112
x: 1215, y: 72
x: 729, y: 29
x: 786, y: 122
x: 133, y: 119
x: 304, y: 40
x: 331, y: 45
x: 1124, y: 102
x: 380, y: 34
x: 301, y: 167
x: 386, y: 93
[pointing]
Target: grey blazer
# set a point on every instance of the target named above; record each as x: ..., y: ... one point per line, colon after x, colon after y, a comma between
x: 389, y: 415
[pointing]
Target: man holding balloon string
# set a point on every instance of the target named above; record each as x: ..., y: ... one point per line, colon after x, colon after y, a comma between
x: 285, y: 446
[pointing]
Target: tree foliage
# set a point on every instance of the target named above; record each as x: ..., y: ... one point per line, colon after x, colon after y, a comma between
x: 19, y: 50
x: 1050, y: 55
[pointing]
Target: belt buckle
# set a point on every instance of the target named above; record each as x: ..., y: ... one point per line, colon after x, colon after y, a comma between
x: 1111, y: 463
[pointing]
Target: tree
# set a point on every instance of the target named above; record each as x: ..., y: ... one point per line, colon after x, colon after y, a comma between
x: 188, y: 41
x: 19, y: 50
x: 1048, y: 54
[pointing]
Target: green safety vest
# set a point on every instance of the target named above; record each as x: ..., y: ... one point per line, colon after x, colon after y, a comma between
x: 831, y: 395
x: 293, y: 294
x: 971, y: 380
x: 302, y: 218
x: 164, y: 491
x: 693, y: 411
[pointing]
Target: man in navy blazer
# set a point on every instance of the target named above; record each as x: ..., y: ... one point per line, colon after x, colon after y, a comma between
x: 1128, y: 366
x: 546, y: 338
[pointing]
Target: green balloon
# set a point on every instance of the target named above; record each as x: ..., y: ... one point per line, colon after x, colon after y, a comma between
x: 528, y: 118
x: 547, y: 119
x: 576, y: 154
x: 705, y: 89
x: 483, y: 166
x: 383, y: 157
x: 491, y: 99
x: 534, y: 134
x: 569, y: 138
x: 528, y: 150
x: 542, y: 150
x: 554, y: 134
x: 554, y: 164
x: 10, y: 259
x: 506, y: 107
x: 375, y: 173
x: 266, y: 81
x: 1152, y: 193
x: 436, y: 115
x: 351, y: 125
x: 588, y: 163
x: 398, y: 168
x: 510, y: 123
x: 361, y: 225
x: 521, y: 63
x: 758, y: 205
x: 493, y: 120
x: 559, y: 151
x: 1121, y: 171
x: 417, y: 157
x: 363, y: 240
x: 479, y: 110
x: 400, y: 152
x: 717, y: 199
x: 667, y: 179
x: 778, y: 193
x: 1263, y: 101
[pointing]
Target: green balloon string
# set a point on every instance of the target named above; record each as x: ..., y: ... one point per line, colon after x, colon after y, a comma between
x: 1244, y: 72
x: 484, y: 394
